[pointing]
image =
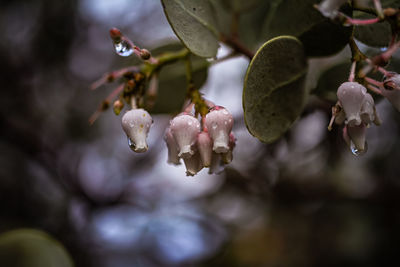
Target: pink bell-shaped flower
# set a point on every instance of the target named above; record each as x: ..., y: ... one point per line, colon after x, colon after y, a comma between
x: 228, y: 156
x: 136, y: 124
x: 351, y: 97
x: 368, y: 112
x: 391, y: 90
x: 329, y: 8
x: 193, y: 164
x: 173, y: 150
x: 204, y: 145
x: 184, y: 129
x: 219, y: 123
x: 217, y: 165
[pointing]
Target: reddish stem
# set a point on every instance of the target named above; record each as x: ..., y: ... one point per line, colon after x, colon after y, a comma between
x: 111, y: 76
x: 108, y: 100
x: 373, y: 82
x: 352, y: 71
x: 374, y: 89
x: 351, y: 21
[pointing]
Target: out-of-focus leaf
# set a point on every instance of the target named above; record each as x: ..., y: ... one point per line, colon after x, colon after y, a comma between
x: 331, y: 79
x: 375, y: 35
x: 378, y: 34
x: 223, y: 16
x: 249, y: 23
x: 250, y: 26
x: 172, y: 80
x: 274, y: 91
x: 194, y: 23
x: 319, y: 35
x: 32, y: 248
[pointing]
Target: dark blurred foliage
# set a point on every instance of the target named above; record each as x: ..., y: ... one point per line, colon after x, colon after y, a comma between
x: 304, y: 201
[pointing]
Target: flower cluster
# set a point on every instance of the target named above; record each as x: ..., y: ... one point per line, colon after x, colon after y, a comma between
x: 208, y: 145
x: 356, y: 109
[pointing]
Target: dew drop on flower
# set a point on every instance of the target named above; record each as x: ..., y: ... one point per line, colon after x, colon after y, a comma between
x: 131, y: 144
x: 357, y: 152
x: 123, y: 48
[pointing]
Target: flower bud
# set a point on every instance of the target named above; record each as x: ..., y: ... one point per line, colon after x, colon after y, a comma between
x: 391, y: 90
x: 219, y: 123
x: 184, y: 129
x: 115, y: 34
x: 118, y: 106
x: 351, y: 97
x: 204, y: 145
x: 172, y: 148
x: 145, y: 54
x: 357, y: 136
x: 136, y: 124
x: 193, y: 164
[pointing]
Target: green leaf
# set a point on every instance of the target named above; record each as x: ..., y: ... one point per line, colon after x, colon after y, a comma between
x: 274, y: 91
x: 240, y: 6
x: 172, y: 86
x: 32, y: 248
x: 319, y: 35
x: 194, y: 23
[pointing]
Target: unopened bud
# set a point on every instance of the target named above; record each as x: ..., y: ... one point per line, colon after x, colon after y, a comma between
x: 136, y: 124
x: 115, y: 35
x: 118, y: 106
x: 145, y: 54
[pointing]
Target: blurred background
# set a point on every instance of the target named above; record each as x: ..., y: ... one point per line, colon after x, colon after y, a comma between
x: 303, y: 201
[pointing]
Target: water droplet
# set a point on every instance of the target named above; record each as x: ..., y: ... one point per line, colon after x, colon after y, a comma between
x: 190, y: 123
x: 357, y: 152
x: 131, y: 144
x: 214, y: 126
x: 230, y: 120
x: 226, y: 122
x: 225, y: 112
x: 123, y: 48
